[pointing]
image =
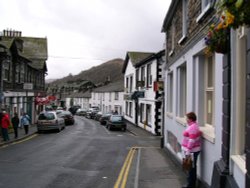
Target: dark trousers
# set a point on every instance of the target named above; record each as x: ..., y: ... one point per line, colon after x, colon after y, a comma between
x: 16, y: 131
x: 192, y: 174
x: 26, y: 129
x: 5, y: 134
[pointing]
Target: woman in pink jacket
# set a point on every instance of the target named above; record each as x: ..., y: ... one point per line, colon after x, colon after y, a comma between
x: 191, y: 145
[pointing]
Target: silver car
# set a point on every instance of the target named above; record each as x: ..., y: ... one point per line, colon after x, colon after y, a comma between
x: 49, y: 120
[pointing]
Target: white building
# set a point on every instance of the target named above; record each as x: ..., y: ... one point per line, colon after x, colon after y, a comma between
x: 81, y: 99
x: 215, y: 86
x: 109, y: 98
x: 142, y: 99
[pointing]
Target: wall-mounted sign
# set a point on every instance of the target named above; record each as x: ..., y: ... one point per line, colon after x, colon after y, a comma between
x: 28, y: 86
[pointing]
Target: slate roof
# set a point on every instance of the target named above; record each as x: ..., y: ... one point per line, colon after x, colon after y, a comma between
x: 34, y: 49
x: 111, y: 87
x: 86, y: 94
x: 7, y: 42
x: 135, y: 57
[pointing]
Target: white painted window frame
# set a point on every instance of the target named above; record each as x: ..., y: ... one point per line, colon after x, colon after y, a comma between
x: 170, y: 91
x: 182, y: 91
x: 205, y: 7
x: 184, y: 20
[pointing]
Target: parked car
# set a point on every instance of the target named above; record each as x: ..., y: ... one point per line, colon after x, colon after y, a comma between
x: 116, y: 122
x: 58, y: 111
x: 81, y: 112
x: 104, y: 118
x: 73, y: 109
x: 68, y: 117
x: 91, y: 113
x: 98, y: 115
x: 49, y: 120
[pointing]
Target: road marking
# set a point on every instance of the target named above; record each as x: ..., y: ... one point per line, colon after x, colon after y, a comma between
x: 20, y: 141
x: 137, y: 168
x: 123, y: 175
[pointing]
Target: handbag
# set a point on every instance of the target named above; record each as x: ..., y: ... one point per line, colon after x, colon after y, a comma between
x: 187, y: 163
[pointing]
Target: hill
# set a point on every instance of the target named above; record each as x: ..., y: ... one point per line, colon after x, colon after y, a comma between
x: 110, y: 70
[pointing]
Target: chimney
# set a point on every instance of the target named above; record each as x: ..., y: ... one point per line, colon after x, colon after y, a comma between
x: 11, y: 33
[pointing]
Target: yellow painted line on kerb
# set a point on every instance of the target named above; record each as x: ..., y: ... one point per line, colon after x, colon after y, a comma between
x: 123, y: 175
x: 23, y: 140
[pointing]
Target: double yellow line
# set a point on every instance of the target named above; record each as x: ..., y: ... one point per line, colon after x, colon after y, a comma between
x: 123, y: 176
x: 20, y: 141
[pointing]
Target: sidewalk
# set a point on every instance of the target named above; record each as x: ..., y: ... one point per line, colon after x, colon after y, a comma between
x: 21, y: 135
x: 157, y: 168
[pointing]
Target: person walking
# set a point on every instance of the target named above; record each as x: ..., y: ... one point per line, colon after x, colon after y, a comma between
x: 191, y: 146
x: 15, y: 123
x: 5, y: 123
x: 25, y: 122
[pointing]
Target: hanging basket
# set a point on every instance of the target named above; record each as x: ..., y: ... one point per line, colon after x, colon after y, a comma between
x: 221, y: 48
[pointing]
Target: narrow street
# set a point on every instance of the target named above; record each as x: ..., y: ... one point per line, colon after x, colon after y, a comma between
x: 86, y: 155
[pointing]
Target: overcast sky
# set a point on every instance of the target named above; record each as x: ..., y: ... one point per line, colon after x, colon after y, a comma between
x: 86, y: 33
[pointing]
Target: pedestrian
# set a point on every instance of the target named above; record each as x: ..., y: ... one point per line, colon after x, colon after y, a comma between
x: 5, y: 123
x: 15, y: 124
x: 25, y: 122
x: 191, y: 146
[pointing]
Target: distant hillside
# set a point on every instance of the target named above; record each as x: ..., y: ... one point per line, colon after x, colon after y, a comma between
x: 109, y: 70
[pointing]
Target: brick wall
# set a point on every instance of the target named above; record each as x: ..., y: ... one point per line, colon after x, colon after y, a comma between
x: 193, y: 28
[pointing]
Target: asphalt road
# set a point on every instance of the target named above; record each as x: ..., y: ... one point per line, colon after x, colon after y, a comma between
x: 84, y: 155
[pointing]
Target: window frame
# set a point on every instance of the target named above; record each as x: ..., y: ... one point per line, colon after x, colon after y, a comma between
x: 209, y: 106
x: 184, y: 20
x: 170, y: 91
x: 206, y: 5
x: 182, y: 91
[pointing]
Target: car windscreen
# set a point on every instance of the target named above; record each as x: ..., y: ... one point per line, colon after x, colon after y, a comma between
x: 116, y: 118
x: 46, y: 116
x: 66, y: 113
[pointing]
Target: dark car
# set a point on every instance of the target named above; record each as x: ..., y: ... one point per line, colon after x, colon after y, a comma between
x: 98, y: 115
x: 104, y: 118
x: 116, y: 122
x: 68, y: 117
x: 73, y: 109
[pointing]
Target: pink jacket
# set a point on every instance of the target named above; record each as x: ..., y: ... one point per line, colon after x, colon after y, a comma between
x: 192, y: 138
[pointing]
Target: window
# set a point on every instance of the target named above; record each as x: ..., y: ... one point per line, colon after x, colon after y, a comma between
x: 116, y: 96
x: 137, y: 77
x: 170, y: 93
x: 142, y: 109
x: 17, y: 73
x: 110, y: 95
x: 205, y: 7
x: 204, y: 4
x: 149, y: 76
x: 127, y: 82
x: 130, y: 109
x: 148, y: 112
x: 6, y: 70
x: 172, y: 34
x: 126, y: 108
x: 131, y: 84
x: 143, y: 76
x: 209, y: 90
x: 184, y: 20
x: 182, y: 90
